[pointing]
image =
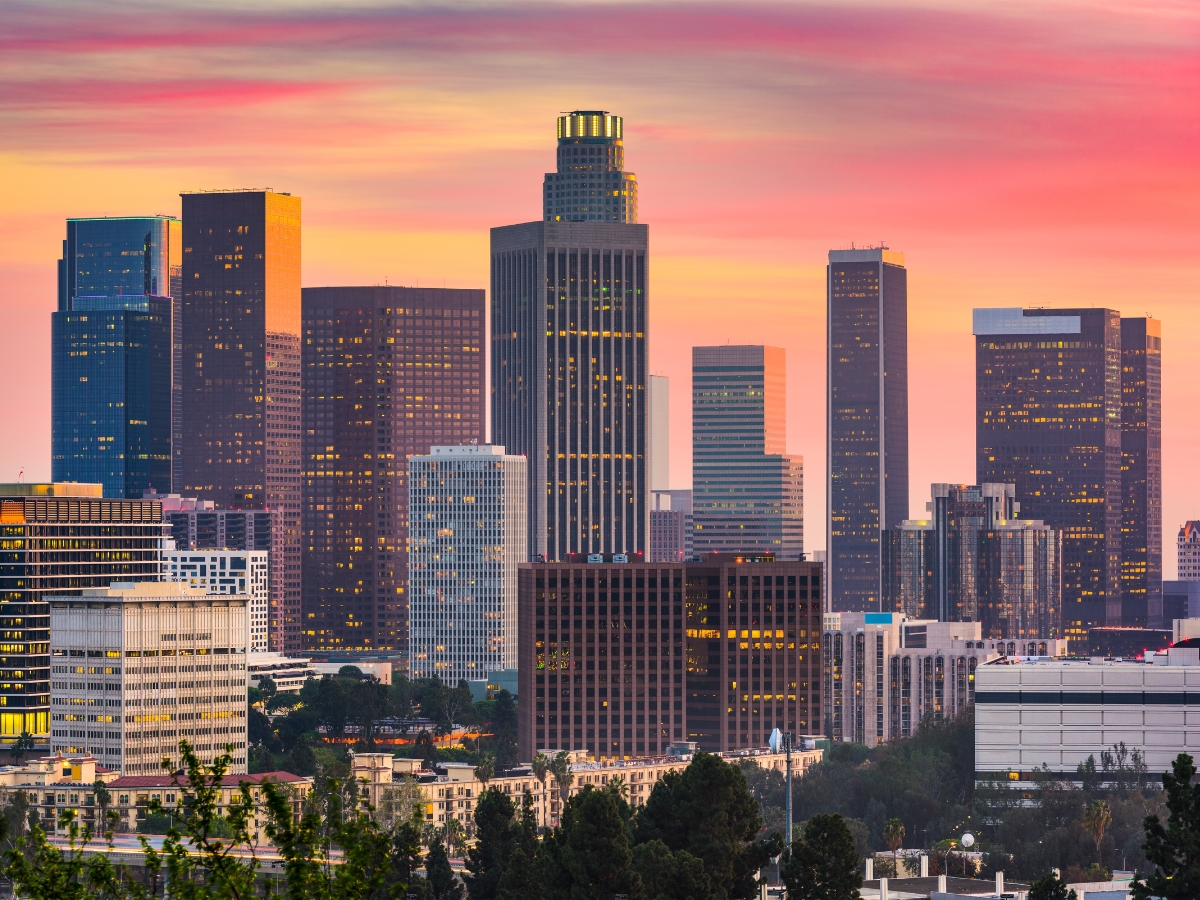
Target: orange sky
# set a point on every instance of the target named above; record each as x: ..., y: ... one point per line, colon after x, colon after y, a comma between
x: 1018, y: 154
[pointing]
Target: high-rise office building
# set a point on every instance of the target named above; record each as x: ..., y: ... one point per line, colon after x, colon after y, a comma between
x: 1048, y: 420
x: 196, y: 524
x: 867, y: 407
x: 570, y: 340
x: 115, y: 386
x: 242, y: 572
x: 907, y: 566
x: 241, y: 372
x: 1020, y: 580
x: 660, y: 433
x: 466, y: 537
x: 1188, y: 546
x: 723, y: 668
x: 1141, y: 470
x: 747, y: 493
x: 960, y: 514
x: 671, y: 529
x: 139, y: 667
x: 388, y: 372
x: 60, y: 539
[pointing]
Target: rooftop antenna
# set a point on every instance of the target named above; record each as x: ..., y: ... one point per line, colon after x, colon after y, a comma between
x: 20, y: 475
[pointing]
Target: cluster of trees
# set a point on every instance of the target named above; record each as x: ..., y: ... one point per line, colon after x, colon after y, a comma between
x: 291, y: 733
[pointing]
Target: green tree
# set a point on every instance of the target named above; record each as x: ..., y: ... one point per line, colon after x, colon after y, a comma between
x: 23, y: 745
x: 560, y: 768
x: 823, y: 864
x: 426, y: 748
x: 541, y: 769
x: 268, y: 687
x: 588, y: 854
x: 496, y: 836
x: 1174, y: 850
x: 1050, y: 887
x: 708, y: 810
x: 486, y: 769
x: 521, y: 880
x: 504, y: 727
x: 1096, y: 819
x: 893, y: 836
x: 670, y: 876
x: 441, y: 877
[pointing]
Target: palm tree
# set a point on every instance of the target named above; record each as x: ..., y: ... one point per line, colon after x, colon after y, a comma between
x: 456, y: 834
x: 103, y: 801
x: 893, y: 836
x: 486, y: 768
x: 1096, y: 819
x: 617, y: 785
x: 541, y: 768
x: 560, y: 767
x: 22, y: 745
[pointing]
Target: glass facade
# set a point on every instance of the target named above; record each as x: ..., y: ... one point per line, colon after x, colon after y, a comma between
x: 111, y: 393
x: 57, y: 539
x: 908, y: 563
x: 388, y: 372
x: 1020, y: 580
x: 747, y: 495
x: 1141, y: 471
x: 569, y: 380
x: 241, y: 372
x: 867, y: 381
x: 591, y: 184
x: 1048, y: 420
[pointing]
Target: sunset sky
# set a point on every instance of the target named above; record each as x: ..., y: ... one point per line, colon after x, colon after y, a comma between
x: 1018, y: 154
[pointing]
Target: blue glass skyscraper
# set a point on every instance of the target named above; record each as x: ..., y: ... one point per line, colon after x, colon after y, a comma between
x: 115, y: 387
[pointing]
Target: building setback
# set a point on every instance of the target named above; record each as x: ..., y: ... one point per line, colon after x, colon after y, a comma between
x: 570, y: 339
x: 867, y: 384
x: 466, y: 538
x: 1048, y: 420
x: 388, y: 372
x: 115, y: 363
x: 241, y: 372
x: 615, y: 661
x: 1141, y: 470
x: 590, y: 184
x: 137, y: 667
x: 59, y: 539
x: 747, y: 494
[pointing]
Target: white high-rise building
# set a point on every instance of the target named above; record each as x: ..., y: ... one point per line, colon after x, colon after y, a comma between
x: 137, y: 666
x: 1189, y: 552
x: 660, y: 434
x: 467, y: 534
x: 228, y: 572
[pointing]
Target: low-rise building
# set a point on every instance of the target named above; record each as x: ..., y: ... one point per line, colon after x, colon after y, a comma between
x: 452, y: 790
x: 288, y: 672
x: 137, y: 666
x: 132, y: 795
x: 54, y: 784
x: 884, y: 672
x: 1057, y: 713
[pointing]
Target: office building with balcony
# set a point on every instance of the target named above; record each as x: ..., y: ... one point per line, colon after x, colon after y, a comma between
x: 389, y: 372
x: 136, y: 667
x: 241, y: 372
x: 60, y: 539
x: 867, y: 429
x: 747, y: 493
x: 467, y: 533
x: 570, y: 343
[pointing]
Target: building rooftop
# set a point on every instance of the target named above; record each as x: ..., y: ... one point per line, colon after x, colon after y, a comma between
x: 119, y: 589
x: 468, y: 450
x: 1015, y: 320
x: 870, y: 254
x: 179, y: 779
x: 55, y: 489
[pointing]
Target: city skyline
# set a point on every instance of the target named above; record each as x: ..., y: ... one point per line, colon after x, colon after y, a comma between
x: 1045, y: 253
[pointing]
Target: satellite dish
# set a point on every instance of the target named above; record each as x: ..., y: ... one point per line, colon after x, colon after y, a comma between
x: 968, y: 840
x: 775, y: 741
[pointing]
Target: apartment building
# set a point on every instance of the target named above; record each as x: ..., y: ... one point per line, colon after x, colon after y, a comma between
x: 54, y: 784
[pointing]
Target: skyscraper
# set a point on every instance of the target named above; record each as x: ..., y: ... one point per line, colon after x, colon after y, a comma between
x: 867, y: 383
x: 241, y: 373
x: 747, y: 494
x: 570, y: 337
x: 388, y: 373
x: 59, y: 539
x: 467, y: 537
x: 960, y: 514
x: 660, y: 433
x: 1141, y: 470
x: 115, y: 358
x: 1048, y: 420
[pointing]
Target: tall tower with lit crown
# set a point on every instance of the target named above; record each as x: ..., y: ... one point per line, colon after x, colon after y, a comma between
x: 591, y: 184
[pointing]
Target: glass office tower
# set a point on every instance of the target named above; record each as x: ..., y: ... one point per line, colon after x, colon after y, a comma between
x: 591, y: 184
x: 388, y: 373
x: 241, y: 380
x: 115, y: 355
x: 570, y: 338
x: 1048, y: 420
x: 1141, y: 471
x: 57, y: 539
x: 867, y: 383
x: 747, y: 494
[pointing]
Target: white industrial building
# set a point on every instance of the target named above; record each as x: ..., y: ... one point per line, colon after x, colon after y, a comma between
x: 884, y: 672
x: 1057, y: 713
x: 227, y: 572
x: 135, y: 667
x: 467, y: 535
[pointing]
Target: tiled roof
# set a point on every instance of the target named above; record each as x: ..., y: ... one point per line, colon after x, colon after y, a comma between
x: 179, y: 780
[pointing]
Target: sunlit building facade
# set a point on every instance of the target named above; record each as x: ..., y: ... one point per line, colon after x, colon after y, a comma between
x: 1048, y: 420
x: 747, y: 493
x: 867, y: 408
x: 1020, y: 580
x: 591, y: 184
x: 466, y: 537
x: 389, y: 372
x: 1141, y: 471
x: 241, y: 373
x: 908, y: 564
x: 59, y: 539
